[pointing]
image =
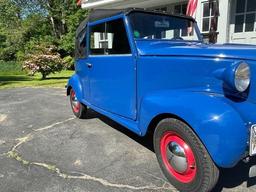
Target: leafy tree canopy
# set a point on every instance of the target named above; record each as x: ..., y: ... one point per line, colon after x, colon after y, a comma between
x: 24, y: 24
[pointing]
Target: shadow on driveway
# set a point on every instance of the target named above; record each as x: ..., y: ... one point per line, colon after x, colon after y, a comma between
x: 229, y: 178
x: 146, y: 141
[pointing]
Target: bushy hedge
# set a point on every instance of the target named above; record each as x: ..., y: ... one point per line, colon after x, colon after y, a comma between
x: 11, y: 67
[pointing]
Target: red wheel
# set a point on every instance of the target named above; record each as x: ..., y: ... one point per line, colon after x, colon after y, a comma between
x: 183, y: 158
x: 178, y: 157
x: 78, y: 108
x: 75, y: 104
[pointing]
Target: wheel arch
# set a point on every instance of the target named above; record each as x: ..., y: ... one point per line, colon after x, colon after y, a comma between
x: 68, y: 90
x: 153, y: 123
x: 75, y: 84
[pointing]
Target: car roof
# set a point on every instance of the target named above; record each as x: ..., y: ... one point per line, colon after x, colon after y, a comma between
x: 99, y: 14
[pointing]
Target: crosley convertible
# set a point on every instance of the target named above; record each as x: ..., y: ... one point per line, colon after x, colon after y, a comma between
x: 152, y: 73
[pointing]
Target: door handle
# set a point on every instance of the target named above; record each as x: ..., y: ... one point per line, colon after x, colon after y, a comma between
x: 89, y: 65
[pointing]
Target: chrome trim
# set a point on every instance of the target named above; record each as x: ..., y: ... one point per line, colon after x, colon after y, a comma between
x: 252, y: 146
x: 177, y: 157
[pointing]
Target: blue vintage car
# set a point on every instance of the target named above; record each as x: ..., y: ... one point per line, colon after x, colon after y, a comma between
x: 152, y: 73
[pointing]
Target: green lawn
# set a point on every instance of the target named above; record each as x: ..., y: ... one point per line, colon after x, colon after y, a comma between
x: 12, y: 76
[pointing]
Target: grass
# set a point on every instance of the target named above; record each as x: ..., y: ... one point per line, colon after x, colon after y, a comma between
x: 10, y: 67
x: 11, y: 76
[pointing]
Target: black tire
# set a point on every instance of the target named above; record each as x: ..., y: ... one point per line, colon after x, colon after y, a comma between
x: 204, y: 175
x: 79, y: 109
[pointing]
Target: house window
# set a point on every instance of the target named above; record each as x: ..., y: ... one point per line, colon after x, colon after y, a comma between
x: 109, y: 38
x: 180, y: 9
x: 210, y: 18
x: 245, y: 16
x: 104, y: 40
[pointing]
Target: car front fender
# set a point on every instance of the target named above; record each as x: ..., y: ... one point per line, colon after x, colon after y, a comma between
x: 218, y: 125
x: 75, y: 83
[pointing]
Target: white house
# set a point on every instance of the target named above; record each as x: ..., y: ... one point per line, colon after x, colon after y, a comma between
x: 236, y: 22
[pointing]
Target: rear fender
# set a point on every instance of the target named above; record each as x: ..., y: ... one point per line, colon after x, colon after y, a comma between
x: 75, y: 83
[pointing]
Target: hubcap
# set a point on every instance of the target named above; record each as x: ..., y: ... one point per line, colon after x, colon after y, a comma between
x: 178, y: 157
x: 74, y: 102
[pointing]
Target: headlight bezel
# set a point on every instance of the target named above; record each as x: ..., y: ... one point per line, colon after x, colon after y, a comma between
x: 242, y: 76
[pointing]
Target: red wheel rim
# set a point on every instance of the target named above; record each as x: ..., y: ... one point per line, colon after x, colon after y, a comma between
x: 189, y: 173
x: 74, y: 102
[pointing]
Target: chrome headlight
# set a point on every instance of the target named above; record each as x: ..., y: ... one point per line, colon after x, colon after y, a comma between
x: 242, y: 77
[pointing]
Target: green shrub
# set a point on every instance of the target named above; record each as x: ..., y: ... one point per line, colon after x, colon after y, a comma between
x: 69, y: 62
x: 11, y: 68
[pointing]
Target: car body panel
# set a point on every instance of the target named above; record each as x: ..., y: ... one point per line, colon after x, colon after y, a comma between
x: 218, y: 125
x: 113, y: 93
x: 75, y: 83
x: 82, y: 73
x: 181, y: 79
x: 193, y: 48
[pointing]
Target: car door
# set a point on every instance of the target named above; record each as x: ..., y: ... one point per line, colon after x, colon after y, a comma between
x: 112, y: 69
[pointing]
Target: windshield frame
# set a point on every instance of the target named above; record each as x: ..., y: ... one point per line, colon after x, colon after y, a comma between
x: 196, y: 28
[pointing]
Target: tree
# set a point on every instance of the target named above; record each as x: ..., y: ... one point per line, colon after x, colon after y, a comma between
x: 25, y: 24
x: 44, y: 60
x: 10, y: 30
x: 57, y: 12
x: 72, y: 21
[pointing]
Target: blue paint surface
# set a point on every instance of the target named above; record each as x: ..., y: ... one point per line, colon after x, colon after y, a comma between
x: 185, y: 79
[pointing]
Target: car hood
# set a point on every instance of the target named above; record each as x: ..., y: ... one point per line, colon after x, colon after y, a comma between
x: 195, y: 49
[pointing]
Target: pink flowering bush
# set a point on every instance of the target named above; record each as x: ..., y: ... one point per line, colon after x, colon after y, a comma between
x: 44, y: 60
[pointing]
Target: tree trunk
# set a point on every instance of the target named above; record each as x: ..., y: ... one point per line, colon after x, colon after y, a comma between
x: 63, y: 23
x: 54, y: 27
x: 43, y: 76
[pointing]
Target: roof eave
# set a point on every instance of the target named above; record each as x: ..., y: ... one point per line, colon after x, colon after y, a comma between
x: 95, y: 4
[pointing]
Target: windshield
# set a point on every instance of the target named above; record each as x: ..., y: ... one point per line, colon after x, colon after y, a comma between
x: 162, y: 27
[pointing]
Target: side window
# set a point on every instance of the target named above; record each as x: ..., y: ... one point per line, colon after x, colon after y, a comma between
x: 109, y: 39
x: 81, y: 44
x: 119, y: 43
x: 98, y: 40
